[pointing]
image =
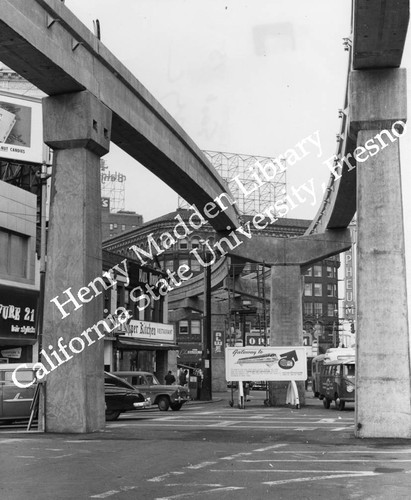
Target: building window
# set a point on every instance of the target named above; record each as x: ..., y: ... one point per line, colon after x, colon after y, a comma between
x: 183, y: 327
x: 308, y: 308
x: 309, y: 272
x: 169, y: 264
x: 195, y: 242
x: 330, y: 272
x: 318, y: 271
x: 308, y: 289
x: 195, y: 327
x: 13, y: 257
x: 195, y: 265
x: 183, y: 244
x: 123, y: 227
x: 318, y: 289
x: 331, y: 309
x: 111, y: 227
x: 115, y: 226
x: 183, y: 262
x: 331, y: 290
x: 318, y: 308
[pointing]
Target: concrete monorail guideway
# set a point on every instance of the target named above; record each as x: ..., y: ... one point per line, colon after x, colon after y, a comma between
x: 95, y: 99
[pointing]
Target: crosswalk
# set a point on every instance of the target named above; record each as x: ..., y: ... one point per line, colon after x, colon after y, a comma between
x: 221, y: 417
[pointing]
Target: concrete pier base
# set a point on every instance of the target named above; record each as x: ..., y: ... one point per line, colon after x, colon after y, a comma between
x: 77, y: 128
x: 383, y: 389
x: 383, y: 406
x: 286, y: 321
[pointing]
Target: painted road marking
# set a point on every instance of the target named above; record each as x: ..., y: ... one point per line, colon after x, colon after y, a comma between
x: 233, y: 457
x: 158, y: 479
x: 338, y: 452
x: 200, y: 466
x: 105, y: 494
x: 319, y: 478
x: 274, y: 446
x: 316, y: 460
x: 194, y: 493
x: 291, y: 471
x: 110, y: 493
x: 223, y: 423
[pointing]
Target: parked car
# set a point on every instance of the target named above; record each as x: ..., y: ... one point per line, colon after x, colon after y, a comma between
x: 15, y: 401
x: 164, y: 396
x: 121, y: 396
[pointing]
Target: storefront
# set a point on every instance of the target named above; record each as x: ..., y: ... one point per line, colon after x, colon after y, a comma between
x: 17, y: 324
x: 146, y: 346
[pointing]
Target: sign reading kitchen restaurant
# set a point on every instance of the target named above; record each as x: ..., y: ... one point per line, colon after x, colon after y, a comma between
x: 17, y: 313
x: 150, y: 331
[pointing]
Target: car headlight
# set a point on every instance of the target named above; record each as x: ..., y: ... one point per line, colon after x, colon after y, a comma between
x: 350, y: 388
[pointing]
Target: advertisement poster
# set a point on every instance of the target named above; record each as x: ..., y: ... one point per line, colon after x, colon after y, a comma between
x: 266, y: 363
x: 21, y: 128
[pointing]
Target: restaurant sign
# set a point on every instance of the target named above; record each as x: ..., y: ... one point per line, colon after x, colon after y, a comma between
x: 17, y: 313
x: 150, y: 331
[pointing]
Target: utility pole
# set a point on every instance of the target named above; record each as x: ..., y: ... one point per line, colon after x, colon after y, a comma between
x: 206, y: 391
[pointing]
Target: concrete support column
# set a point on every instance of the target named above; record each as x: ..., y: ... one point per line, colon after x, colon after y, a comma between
x: 383, y: 394
x: 77, y: 126
x: 286, y: 320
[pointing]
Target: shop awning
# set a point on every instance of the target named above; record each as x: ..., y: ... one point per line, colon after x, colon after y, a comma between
x: 131, y: 343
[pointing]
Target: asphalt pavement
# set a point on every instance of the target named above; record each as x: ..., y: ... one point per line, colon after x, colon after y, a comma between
x: 208, y: 450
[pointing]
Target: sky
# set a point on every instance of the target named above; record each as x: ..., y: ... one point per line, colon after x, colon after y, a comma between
x: 240, y: 76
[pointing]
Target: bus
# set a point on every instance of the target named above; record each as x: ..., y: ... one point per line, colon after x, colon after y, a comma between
x: 338, y: 353
x: 337, y: 383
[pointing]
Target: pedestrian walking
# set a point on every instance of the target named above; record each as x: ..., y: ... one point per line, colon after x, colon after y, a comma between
x: 169, y: 378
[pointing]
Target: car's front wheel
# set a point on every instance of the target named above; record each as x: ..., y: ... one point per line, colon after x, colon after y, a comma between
x: 176, y: 406
x: 163, y: 403
x: 112, y: 415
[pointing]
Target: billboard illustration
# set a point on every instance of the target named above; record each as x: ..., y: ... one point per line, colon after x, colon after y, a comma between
x: 266, y: 363
x: 21, y: 128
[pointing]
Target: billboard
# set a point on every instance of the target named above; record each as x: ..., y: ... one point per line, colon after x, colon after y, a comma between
x: 266, y: 363
x: 21, y: 128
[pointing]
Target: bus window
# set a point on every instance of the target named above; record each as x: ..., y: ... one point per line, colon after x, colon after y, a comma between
x: 349, y: 370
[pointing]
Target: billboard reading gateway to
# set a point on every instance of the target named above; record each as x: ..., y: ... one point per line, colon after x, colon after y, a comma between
x: 266, y: 363
x: 21, y: 128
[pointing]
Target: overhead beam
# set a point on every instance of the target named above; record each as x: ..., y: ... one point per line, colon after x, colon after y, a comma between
x: 379, y: 33
x: 44, y: 42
